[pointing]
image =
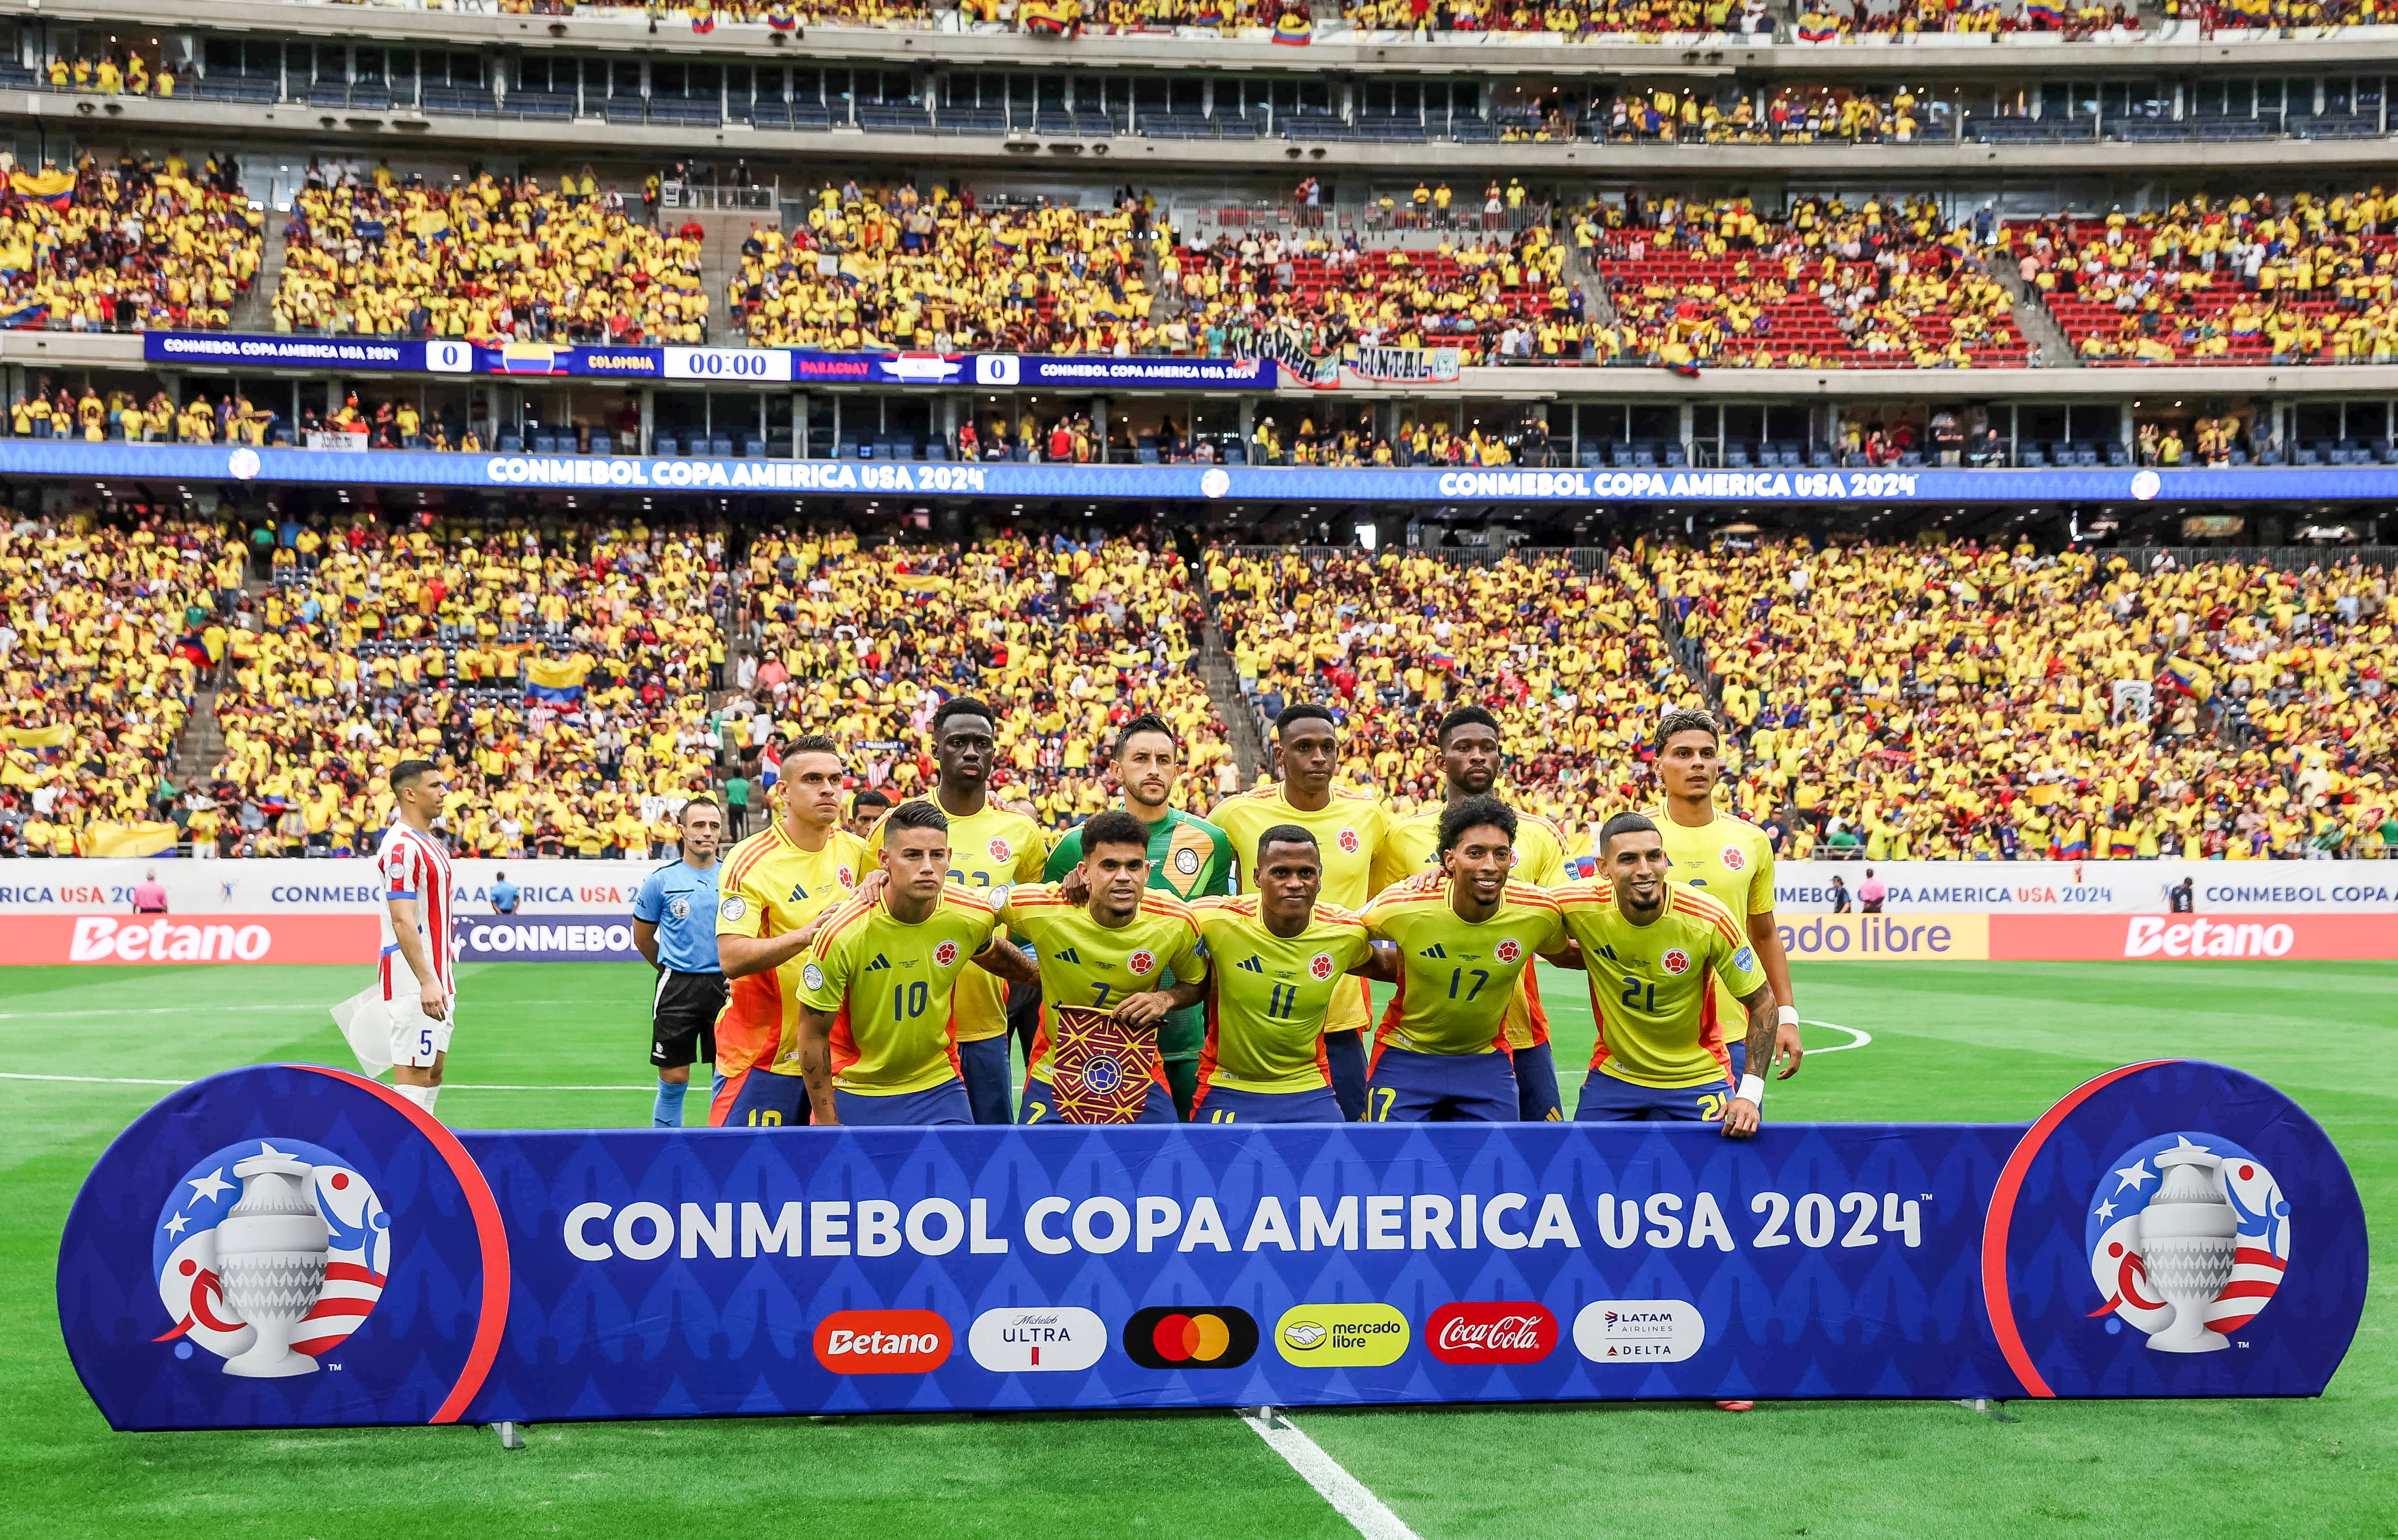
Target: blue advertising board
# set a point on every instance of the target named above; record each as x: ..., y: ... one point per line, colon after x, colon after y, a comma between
x: 296, y: 1246
x: 553, y: 938
x: 703, y: 365
x: 61, y: 457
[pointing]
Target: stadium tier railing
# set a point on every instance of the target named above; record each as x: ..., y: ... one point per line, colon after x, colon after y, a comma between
x: 2282, y: 558
x: 1585, y: 558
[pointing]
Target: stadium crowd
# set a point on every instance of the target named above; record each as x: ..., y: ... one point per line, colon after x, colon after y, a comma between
x: 2293, y: 278
x: 134, y: 242
x: 105, y: 634
x: 490, y: 257
x: 1066, y: 640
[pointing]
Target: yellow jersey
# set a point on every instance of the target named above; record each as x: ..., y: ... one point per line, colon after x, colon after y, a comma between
x: 1455, y: 976
x: 1413, y: 845
x: 1267, y: 994
x: 1087, y: 969
x: 887, y: 985
x: 771, y: 887
x: 1349, y: 831
x: 1730, y: 861
x: 1651, y: 984
x: 990, y: 849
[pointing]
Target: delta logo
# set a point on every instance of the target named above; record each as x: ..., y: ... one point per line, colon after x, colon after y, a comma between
x: 1514, y: 1330
x: 1676, y: 962
x: 882, y: 1342
x: 1348, y: 841
x: 1508, y: 951
x: 1190, y: 1336
x: 1319, y: 967
x: 1141, y: 962
x: 945, y: 954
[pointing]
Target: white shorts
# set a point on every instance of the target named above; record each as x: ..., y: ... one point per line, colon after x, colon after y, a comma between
x: 416, y: 1038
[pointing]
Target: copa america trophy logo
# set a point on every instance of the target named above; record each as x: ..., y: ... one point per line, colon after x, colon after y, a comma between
x: 2189, y: 1237
x: 275, y: 1267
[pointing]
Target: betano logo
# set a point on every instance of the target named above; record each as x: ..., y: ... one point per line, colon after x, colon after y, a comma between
x: 1190, y: 1336
x: 1329, y: 1336
x: 882, y: 1342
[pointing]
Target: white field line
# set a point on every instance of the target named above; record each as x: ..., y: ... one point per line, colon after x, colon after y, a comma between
x: 1859, y: 1033
x: 112, y: 1080
x: 1348, y: 1495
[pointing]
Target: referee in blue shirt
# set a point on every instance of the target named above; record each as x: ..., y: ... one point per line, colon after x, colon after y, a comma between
x: 674, y: 925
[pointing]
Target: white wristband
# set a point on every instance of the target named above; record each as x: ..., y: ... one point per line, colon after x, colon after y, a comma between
x: 1752, y: 1090
x: 1789, y: 1015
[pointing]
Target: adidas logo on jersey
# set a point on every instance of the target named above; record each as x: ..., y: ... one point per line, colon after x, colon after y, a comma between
x: 798, y: 893
x: 1252, y: 966
x: 1434, y: 950
x: 1068, y: 955
x: 881, y: 963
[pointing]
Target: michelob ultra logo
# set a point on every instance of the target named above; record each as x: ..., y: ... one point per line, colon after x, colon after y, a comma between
x: 1190, y: 1336
x: 1341, y: 1335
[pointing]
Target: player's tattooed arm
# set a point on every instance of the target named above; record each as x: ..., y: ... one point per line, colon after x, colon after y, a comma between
x: 1152, y: 1006
x: 1742, y: 1116
x: 815, y: 1064
x: 1766, y: 937
x: 1009, y: 961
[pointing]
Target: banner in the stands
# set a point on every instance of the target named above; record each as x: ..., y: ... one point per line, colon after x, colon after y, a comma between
x: 725, y: 366
x: 180, y: 462
x: 294, y: 1246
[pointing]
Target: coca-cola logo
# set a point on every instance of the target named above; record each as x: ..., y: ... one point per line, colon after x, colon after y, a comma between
x: 1507, y: 1331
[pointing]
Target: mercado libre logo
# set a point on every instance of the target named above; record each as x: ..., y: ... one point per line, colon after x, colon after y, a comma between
x: 2189, y: 1238
x: 1190, y: 1336
x: 268, y: 1254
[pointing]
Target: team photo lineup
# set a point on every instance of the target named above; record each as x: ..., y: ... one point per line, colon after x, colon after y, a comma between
x: 1172, y: 967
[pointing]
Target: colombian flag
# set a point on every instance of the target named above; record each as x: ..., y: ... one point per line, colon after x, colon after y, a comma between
x: 1049, y: 17
x: 55, y: 736
x: 1816, y: 26
x: 779, y: 18
x: 703, y: 21
x: 2046, y: 12
x: 2192, y: 676
x: 1294, y: 27
x: 131, y: 841
x: 55, y: 188
x: 557, y: 681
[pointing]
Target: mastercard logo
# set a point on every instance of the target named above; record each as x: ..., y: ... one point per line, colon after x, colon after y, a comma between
x: 1190, y: 1336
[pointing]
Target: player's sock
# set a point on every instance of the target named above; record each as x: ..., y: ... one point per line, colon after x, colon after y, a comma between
x: 667, y: 1113
x: 420, y: 1095
x: 432, y: 1095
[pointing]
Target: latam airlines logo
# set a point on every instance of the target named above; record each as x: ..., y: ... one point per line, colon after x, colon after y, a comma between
x: 2188, y: 1237
x: 269, y: 1254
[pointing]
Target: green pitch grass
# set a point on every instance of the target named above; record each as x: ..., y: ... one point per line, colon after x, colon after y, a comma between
x: 1996, y: 1041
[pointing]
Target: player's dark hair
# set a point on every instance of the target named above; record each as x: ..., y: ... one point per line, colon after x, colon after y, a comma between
x: 870, y: 797
x: 914, y: 815
x: 407, y: 770
x: 1474, y: 812
x: 813, y: 743
x: 1146, y: 722
x: 1681, y: 720
x: 1622, y: 824
x: 695, y: 802
x: 1114, y: 827
x: 962, y: 705
x: 1285, y: 833
x: 1306, y: 711
x: 1463, y: 717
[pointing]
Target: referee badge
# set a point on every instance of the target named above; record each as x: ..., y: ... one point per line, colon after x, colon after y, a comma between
x: 812, y: 976
x: 732, y: 908
x: 680, y: 908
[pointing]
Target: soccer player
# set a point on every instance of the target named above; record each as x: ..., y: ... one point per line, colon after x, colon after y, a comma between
x: 989, y: 847
x: 674, y: 928
x: 1102, y: 963
x: 1729, y: 860
x: 1654, y: 948
x: 1441, y: 1053
x: 874, y: 1039
x: 1348, y: 827
x: 1468, y: 740
x: 1188, y: 857
x: 420, y: 983
x: 1274, y: 958
x: 866, y: 810
x: 776, y: 886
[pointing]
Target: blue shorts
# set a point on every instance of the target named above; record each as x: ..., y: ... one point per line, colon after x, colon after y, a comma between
x: 1738, y: 1048
x: 1040, y: 1104
x: 1536, y: 1085
x: 770, y: 1101
x: 984, y: 1068
x: 1408, y: 1087
x: 1606, y: 1098
x: 945, y: 1103
x: 1344, y: 1052
x: 1224, y: 1105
